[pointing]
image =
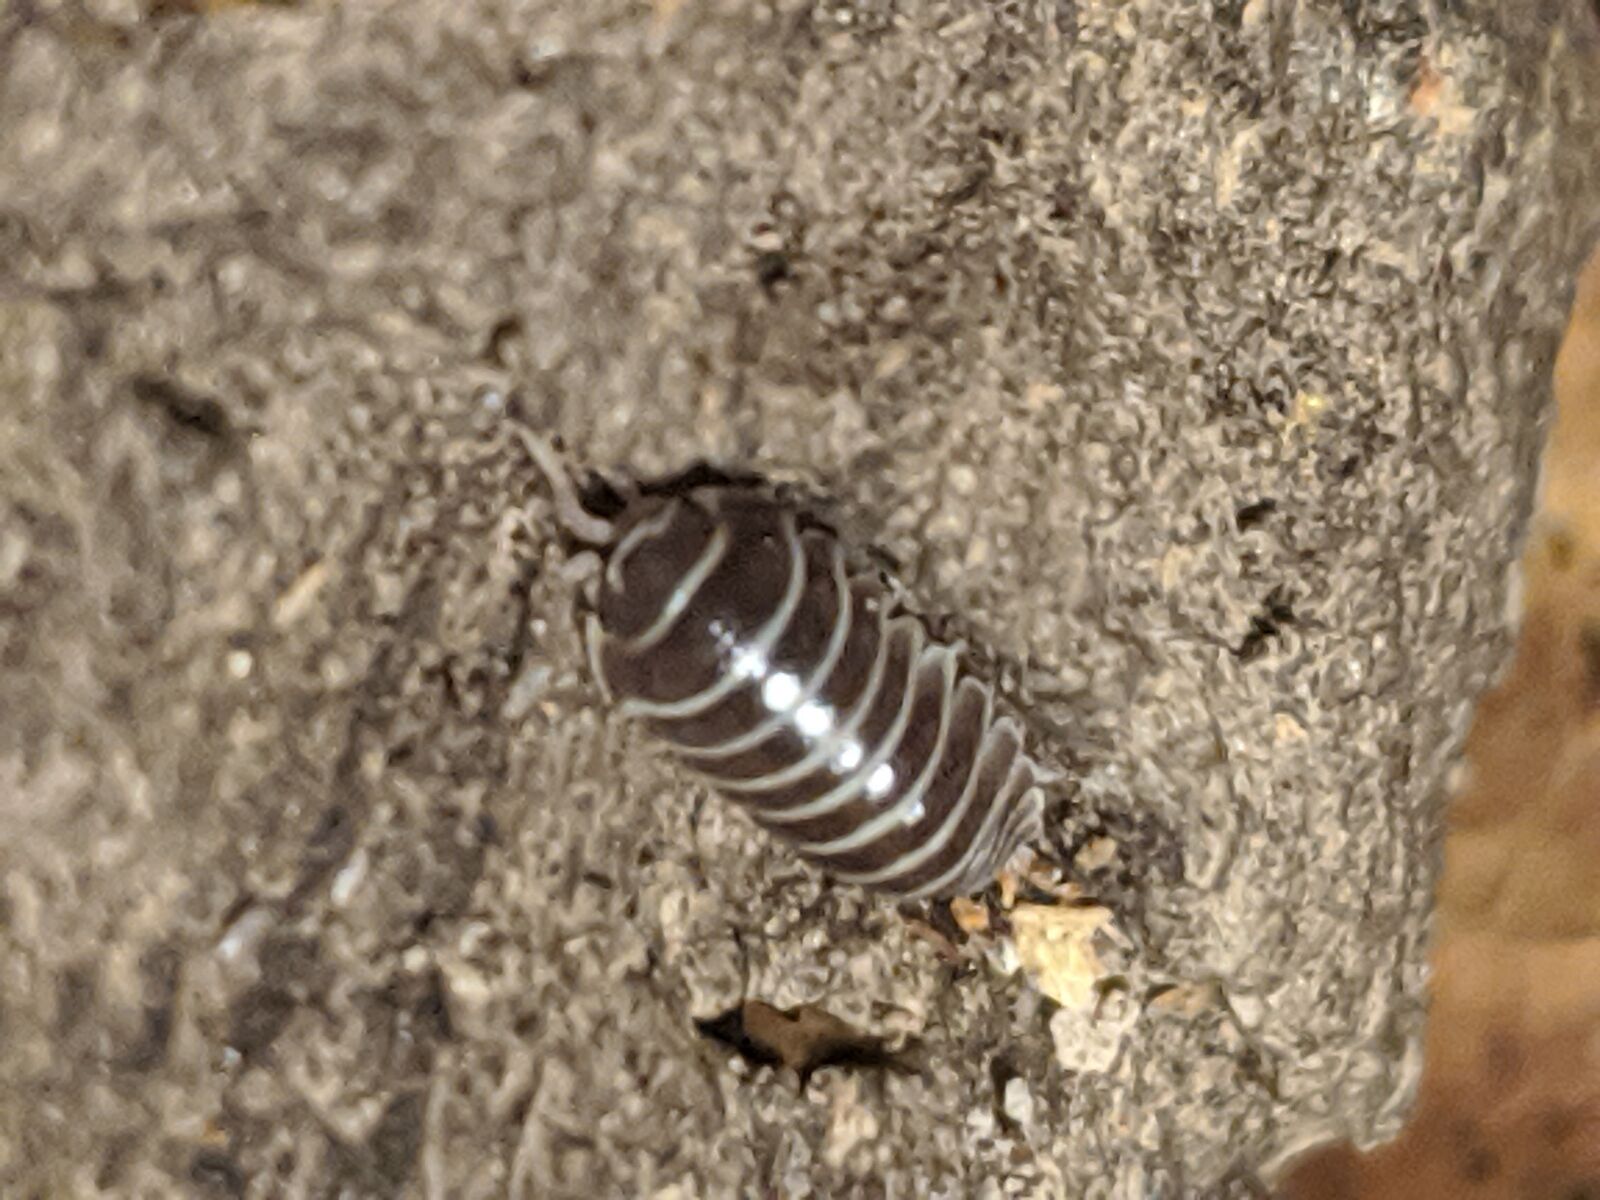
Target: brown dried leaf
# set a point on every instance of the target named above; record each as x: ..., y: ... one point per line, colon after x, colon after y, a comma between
x: 1008, y: 889
x: 972, y: 916
x: 804, y: 1039
x: 1188, y: 999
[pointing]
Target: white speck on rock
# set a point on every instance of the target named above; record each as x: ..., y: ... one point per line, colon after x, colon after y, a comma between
x: 1018, y: 1102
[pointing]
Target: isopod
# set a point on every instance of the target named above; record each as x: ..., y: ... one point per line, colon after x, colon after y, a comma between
x: 731, y: 622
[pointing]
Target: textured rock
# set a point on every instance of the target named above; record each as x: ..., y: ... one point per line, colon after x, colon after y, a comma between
x: 1195, y: 359
x: 1509, y: 1103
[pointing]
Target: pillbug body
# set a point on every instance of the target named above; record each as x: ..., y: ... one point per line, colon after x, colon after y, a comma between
x: 733, y: 624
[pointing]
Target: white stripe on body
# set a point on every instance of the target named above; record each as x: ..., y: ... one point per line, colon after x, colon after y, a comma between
x: 763, y: 642
x: 771, y: 723
x: 825, y: 747
x: 905, y: 809
x: 681, y: 596
x: 985, y: 842
x: 936, y: 843
x: 645, y: 529
x: 849, y: 790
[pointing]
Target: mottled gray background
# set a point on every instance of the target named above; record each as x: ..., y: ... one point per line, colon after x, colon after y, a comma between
x: 1184, y: 351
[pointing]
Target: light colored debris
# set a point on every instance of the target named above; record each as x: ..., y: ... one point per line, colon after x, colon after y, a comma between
x: 1055, y: 945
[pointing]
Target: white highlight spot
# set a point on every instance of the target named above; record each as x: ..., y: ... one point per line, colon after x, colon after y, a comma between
x: 913, y: 814
x: 749, y: 663
x: 239, y: 945
x: 348, y: 881
x: 781, y: 692
x: 848, y: 758
x: 813, y: 719
x: 880, y: 781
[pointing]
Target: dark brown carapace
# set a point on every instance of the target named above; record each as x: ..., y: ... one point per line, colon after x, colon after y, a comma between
x: 733, y: 625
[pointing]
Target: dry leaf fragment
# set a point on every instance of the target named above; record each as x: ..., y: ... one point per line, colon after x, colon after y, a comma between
x: 804, y: 1039
x: 1008, y: 889
x: 1044, y: 877
x: 1055, y: 945
x: 1189, y: 999
x: 972, y: 916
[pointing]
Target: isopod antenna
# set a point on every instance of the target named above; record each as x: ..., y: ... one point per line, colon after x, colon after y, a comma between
x: 584, y: 526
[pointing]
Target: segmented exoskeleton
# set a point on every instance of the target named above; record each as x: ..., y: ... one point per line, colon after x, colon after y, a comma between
x: 731, y: 622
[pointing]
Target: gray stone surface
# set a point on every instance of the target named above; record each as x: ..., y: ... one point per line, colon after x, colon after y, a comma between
x: 325, y: 873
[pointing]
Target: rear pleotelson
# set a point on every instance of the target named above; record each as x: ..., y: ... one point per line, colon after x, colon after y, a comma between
x: 745, y: 643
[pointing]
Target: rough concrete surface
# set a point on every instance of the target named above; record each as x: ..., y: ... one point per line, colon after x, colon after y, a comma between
x: 1194, y: 355
x: 1508, y: 1104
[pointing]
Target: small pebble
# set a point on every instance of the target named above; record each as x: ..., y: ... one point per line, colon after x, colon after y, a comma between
x: 1018, y: 1102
